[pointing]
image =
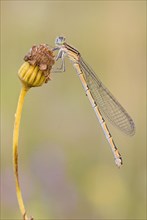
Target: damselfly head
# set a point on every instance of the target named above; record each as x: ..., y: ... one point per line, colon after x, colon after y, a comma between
x: 59, y: 41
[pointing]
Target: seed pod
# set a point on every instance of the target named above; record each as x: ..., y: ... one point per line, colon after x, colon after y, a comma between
x: 36, y: 70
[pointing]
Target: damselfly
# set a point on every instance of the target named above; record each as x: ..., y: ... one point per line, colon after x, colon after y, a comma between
x: 101, y: 99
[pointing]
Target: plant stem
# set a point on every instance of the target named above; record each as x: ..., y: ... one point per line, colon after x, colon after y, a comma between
x: 23, y: 92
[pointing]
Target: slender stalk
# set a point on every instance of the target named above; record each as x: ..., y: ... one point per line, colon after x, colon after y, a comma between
x: 34, y: 72
x: 15, y: 150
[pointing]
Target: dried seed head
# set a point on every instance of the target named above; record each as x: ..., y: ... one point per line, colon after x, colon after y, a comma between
x: 36, y: 70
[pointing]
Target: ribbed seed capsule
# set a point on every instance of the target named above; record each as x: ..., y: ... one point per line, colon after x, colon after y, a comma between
x: 36, y: 70
x: 30, y: 75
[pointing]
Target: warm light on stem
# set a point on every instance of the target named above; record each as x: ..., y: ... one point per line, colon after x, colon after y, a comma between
x: 34, y: 72
x: 15, y: 149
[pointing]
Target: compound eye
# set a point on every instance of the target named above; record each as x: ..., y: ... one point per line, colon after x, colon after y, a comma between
x: 60, y: 41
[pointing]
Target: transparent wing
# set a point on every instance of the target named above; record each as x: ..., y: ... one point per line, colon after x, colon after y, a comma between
x: 106, y: 102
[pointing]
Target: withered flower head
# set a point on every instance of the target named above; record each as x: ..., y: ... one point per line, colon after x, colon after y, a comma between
x: 36, y: 70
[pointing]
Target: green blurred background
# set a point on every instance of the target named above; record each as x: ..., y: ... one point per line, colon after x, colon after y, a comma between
x: 66, y: 168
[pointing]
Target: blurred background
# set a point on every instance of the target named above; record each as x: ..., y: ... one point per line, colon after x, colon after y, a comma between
x: 66, y: 167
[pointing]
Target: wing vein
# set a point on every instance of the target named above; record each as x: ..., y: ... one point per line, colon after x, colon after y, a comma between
x: 106, y: 102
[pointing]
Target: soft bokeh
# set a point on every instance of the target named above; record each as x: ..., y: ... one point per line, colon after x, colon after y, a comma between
x: 66, y: 167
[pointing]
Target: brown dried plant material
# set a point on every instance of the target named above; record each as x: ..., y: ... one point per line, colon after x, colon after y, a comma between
x: 36, y: 70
